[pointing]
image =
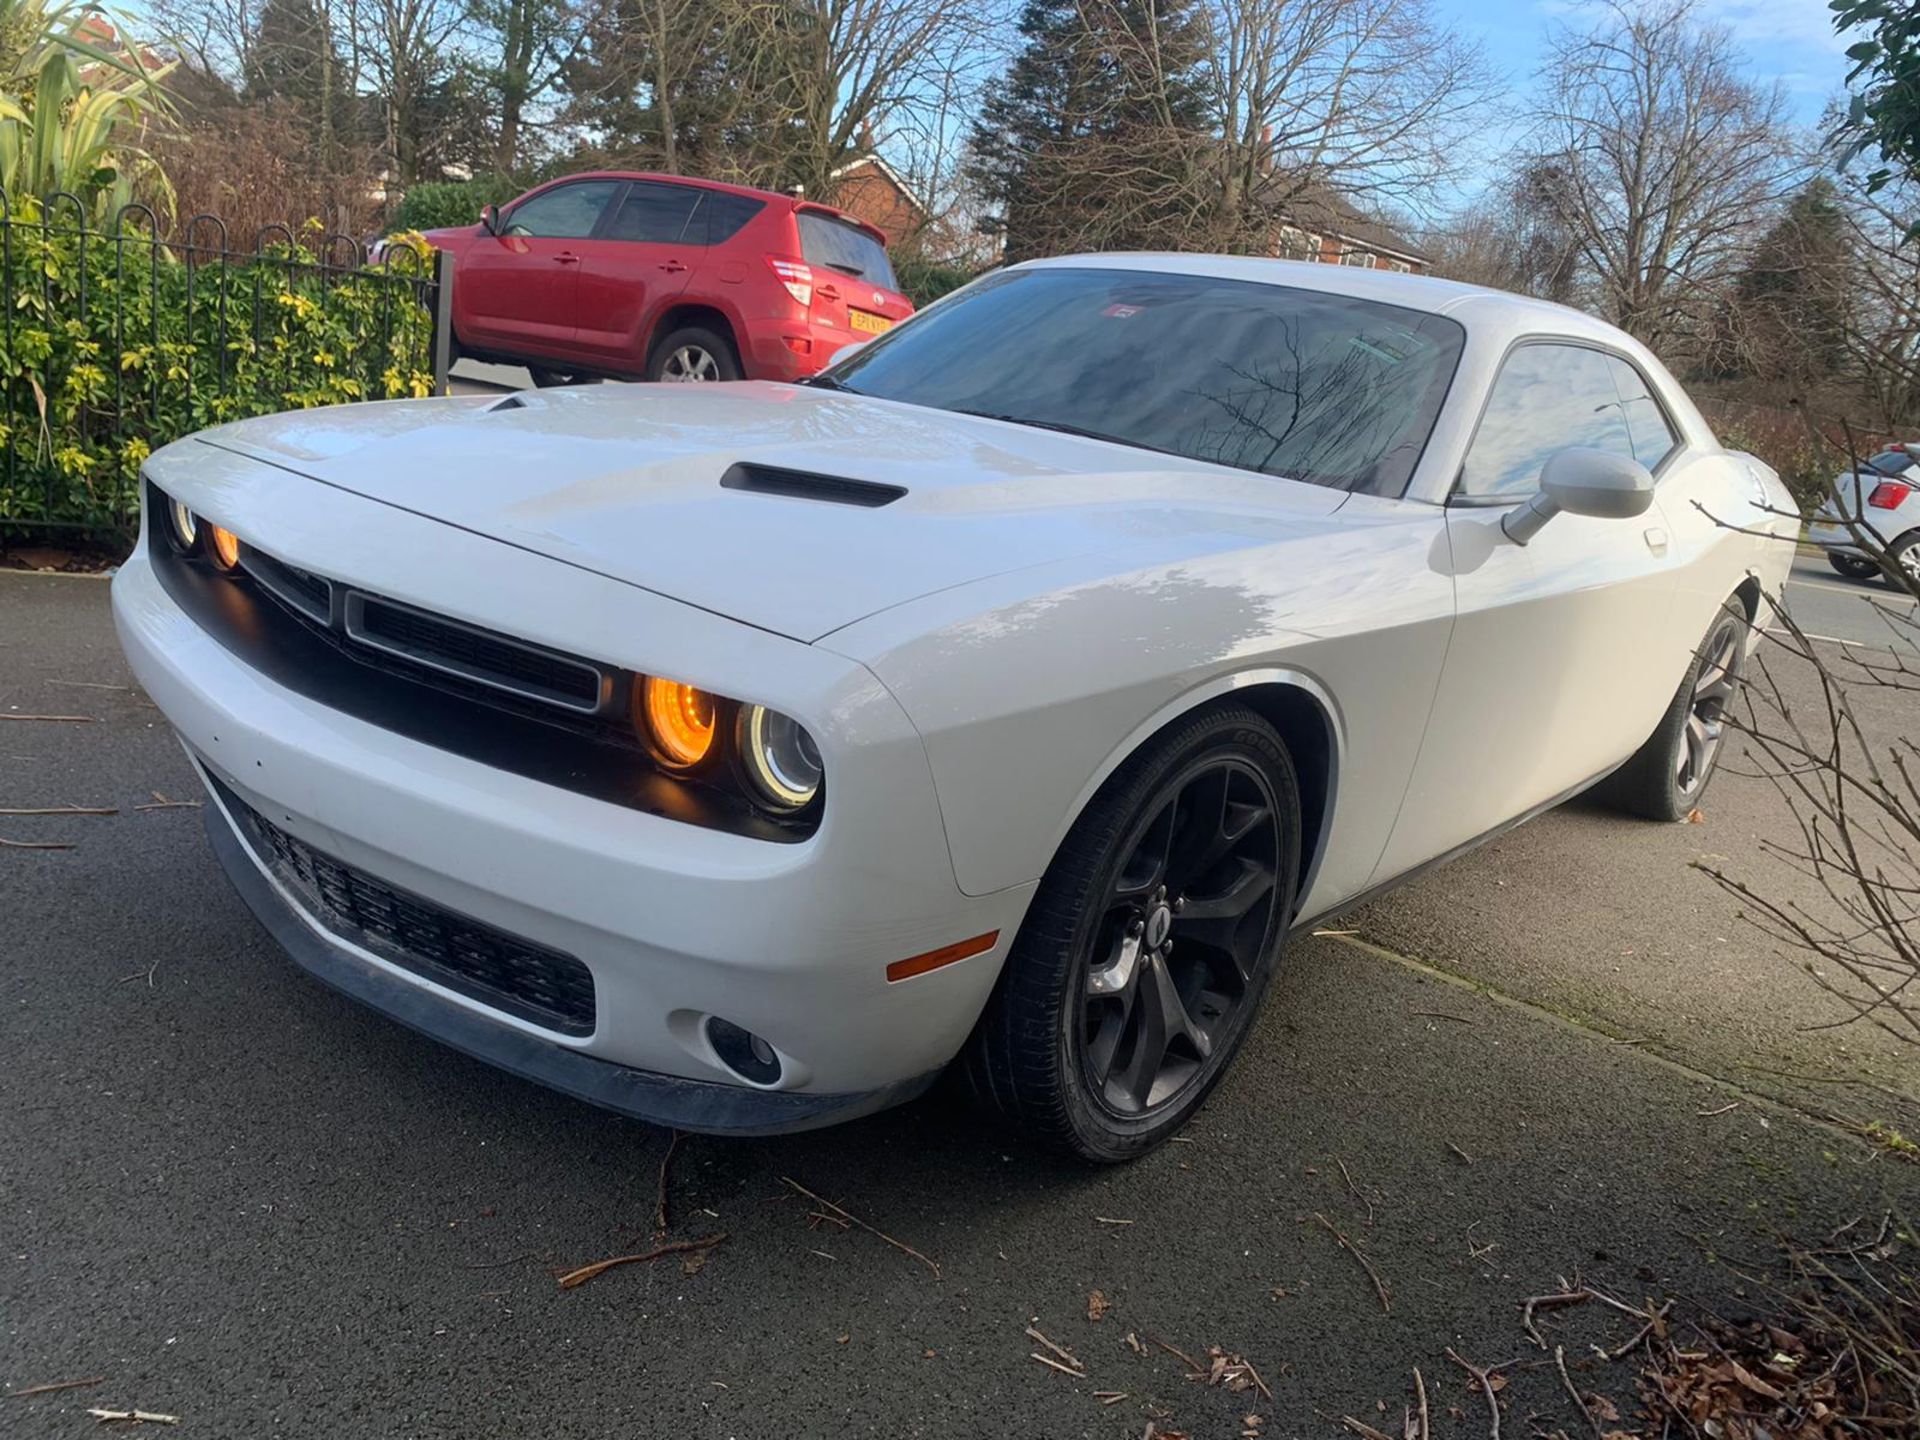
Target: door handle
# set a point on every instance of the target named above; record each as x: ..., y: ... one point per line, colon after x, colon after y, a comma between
x: 1656, y: 539
x: 566, y: 257
x: 672, y: 267
x: 827, y: 292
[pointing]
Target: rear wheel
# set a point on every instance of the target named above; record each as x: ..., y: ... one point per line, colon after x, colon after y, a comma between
x: 1667, y: 776
x: 1147, y: 950
x: 1905, y: 554
x: 692, y: 355
x: 1854, y: 567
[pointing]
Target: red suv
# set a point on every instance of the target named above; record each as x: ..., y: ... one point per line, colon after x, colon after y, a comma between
x: 659, y: 277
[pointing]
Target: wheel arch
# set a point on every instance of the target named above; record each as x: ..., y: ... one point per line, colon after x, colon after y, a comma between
x: 1308, y: 722
x: 694, y: 312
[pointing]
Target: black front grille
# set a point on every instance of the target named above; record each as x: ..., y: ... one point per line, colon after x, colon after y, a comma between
x: 497, y: 969
x: 305, y: 593
x: 475, y: 654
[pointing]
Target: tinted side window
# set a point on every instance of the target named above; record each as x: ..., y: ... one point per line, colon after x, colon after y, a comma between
x: 1653, y: 437
x: 566, y: 212
x: 656, y: 214
x: 1547, y: 398
x: 843, y: 247
x: 726, y: 214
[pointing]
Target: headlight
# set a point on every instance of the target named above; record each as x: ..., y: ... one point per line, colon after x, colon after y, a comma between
x: 678, y: 721
x: 224, y: 546
x: 185, y: 529
x: 780, y: 759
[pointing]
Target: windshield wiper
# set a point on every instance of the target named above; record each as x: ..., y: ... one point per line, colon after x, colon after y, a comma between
x: 1061, y: 427
x: 826, y: 382
x: 846, y: 269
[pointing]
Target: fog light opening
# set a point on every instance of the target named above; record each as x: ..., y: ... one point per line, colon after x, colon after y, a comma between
x: 743, y: 1052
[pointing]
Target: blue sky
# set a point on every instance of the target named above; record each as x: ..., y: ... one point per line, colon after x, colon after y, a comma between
x: 1791, y: 41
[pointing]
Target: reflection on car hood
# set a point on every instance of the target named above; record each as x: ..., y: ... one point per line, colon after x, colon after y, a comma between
x: 625, y: 480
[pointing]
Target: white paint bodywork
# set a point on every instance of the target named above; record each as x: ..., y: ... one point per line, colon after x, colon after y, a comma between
x: 973, y: 659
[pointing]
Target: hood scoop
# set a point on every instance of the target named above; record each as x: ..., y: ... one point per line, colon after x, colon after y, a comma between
x: 805, y: 485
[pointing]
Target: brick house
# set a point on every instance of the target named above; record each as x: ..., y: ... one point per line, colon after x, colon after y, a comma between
x: 871, y: 189
x: 1322, y: 226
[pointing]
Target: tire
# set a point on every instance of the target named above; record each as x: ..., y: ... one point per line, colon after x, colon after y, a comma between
x: 1064, y: 1049
x: 546, y: 379
x: 693, y: 353
x: 1854, y: 567
x: 1667, y: 776
x: 1905, y: 554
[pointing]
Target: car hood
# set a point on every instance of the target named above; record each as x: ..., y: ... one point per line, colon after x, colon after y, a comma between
x: 626, y: 480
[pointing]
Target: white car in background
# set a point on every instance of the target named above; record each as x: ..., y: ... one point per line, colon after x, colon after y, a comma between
x: 1883, y: 498
x: 744, y: 756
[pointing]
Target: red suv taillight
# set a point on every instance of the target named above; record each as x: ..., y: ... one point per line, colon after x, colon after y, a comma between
x: 1889, y: 495
x: 796, y: 275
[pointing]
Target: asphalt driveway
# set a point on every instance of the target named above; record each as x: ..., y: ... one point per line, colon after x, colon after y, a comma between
x: 236, y: 1198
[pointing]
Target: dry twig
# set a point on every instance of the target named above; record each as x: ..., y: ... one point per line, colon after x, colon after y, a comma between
x: 1420, y: 1389
x: 1060, y: 1350
x: 1560, y: 1364
x: 1053, y: 1364
x: 62, y: 810
x: 54, y: 719
x: 1355, y: 1189
x: 856, y: 1220
x: 54, y: 1385
x: 662, y: 1218
x: 133, y: 1417
x: 35, y: 844
x: 1379, y: 1285
x: 679, y: 1247
x: 1485, y: 1380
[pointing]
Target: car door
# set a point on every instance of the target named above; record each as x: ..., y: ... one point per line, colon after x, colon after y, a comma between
x: 640, y: 259
x: 515, y: 291
x: 1558, y: 667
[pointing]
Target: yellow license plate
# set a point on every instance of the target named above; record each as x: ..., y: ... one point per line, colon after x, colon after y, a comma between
x: 872, y: 324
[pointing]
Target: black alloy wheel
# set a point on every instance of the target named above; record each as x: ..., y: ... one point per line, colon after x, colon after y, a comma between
x: 1185, y: 930
x: 1149, y: 945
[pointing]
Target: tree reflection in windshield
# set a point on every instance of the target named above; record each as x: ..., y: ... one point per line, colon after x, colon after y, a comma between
x: 1279, y: 379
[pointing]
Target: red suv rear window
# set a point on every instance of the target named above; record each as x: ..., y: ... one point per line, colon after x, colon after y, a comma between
x: 841, y: 245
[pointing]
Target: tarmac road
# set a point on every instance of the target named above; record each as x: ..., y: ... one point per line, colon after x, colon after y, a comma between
x: 239, y: 1199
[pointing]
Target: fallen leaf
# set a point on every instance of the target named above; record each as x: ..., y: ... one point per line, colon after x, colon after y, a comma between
x: 1097, y: 1305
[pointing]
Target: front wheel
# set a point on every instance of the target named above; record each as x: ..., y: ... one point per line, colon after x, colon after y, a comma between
x: 1142, y: 962
x: 1667, y: 776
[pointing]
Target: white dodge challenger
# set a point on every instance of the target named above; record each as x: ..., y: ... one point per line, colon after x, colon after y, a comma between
x: 744, y: 756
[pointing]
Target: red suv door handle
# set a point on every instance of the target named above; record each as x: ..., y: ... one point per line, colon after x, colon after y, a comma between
x: 566, y: 257
x: 827, y: 292
x: 672, y: 267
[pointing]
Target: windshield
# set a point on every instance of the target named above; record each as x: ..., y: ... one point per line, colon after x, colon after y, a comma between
x: 1286, y: 381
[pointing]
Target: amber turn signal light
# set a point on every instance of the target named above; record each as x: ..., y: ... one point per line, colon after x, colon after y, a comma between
x: 678, y: 721
x: 946, y: 955
x: 224, y: 546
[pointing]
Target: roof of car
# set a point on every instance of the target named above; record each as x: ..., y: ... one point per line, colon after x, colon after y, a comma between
x: 705, y: 184
x: 1481, y: 304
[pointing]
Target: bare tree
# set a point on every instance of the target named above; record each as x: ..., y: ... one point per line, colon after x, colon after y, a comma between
x: 1667, y: 159
x: 846, y: 69
x: 1369, y: 98
x: 1876, y: 300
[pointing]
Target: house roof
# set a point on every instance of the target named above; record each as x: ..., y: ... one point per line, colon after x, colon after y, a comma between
x: 1327, y: 211
x: 894, y: 177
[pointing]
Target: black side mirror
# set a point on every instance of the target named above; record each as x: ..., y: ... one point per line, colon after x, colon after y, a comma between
x: 490, y: 218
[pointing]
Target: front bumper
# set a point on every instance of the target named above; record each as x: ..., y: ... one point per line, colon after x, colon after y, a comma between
x: 699, y: 1105
x: 676, y: 923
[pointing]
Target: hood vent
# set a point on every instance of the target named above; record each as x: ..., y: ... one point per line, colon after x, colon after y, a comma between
x: 803, y: 485
x: 510, y: 402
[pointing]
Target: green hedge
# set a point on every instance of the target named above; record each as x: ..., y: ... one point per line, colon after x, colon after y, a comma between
x: 444, y: 204
x: 109, y: 350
